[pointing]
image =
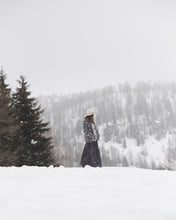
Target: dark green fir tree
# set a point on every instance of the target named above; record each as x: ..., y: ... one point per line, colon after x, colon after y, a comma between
x: 8, y: 126
x: 34, y: 143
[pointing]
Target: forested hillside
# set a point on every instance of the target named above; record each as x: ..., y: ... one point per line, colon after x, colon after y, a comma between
x: 137, y: 124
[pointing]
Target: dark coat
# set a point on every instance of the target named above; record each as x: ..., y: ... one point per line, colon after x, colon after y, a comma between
x: 91, y: 155
x: 88, y: 131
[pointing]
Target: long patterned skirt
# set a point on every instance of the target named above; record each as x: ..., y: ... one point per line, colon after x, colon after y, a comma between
x: 91, y: 155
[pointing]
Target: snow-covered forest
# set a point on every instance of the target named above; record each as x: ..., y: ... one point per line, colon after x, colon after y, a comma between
x: 137, y: 124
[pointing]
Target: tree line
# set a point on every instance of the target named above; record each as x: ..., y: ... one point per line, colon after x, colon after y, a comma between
x: 24, y: 138
x: 133, y: 122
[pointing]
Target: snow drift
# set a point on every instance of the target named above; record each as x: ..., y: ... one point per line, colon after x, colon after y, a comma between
x: 91, y: 193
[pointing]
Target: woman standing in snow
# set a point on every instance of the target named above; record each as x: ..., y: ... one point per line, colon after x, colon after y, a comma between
x: 91, y: 154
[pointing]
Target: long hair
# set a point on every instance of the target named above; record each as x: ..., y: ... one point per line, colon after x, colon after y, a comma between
x: 90, y: 118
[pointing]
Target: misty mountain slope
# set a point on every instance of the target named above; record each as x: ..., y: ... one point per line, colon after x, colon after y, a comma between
x: 137, y: 124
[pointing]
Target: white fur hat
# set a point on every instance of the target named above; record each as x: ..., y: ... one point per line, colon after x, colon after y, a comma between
x: 89, y: 112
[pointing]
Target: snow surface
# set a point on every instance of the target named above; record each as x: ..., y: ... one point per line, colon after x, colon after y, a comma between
x: 108, y: 193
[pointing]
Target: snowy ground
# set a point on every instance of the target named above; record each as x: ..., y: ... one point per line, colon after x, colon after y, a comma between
x: 89, y: 194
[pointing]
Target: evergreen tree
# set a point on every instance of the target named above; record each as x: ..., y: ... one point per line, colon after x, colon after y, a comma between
x: 153, y: 164
x: 124, y: 145
x: 125, y: 162
x: 107, y: 132
x: 7, y: 125
x: 34, y: 147
x: 130, y: 158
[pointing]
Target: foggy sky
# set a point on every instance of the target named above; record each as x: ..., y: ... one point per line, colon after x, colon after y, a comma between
x: 65, y: 46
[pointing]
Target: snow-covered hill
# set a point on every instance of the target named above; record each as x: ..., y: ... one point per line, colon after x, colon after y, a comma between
x: 137, y: 124
x: 87, y: 193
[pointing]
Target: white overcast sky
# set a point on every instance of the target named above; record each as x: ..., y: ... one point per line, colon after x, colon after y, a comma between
x: 65, y: 46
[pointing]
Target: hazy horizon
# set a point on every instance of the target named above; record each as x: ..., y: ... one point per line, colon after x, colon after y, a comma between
x: 64, y: 47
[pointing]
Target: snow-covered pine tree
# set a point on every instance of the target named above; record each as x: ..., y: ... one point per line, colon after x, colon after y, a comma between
x: 124, y: 145
x: 125, y: 162
x: 8, y: 126
x: 34, y: 147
